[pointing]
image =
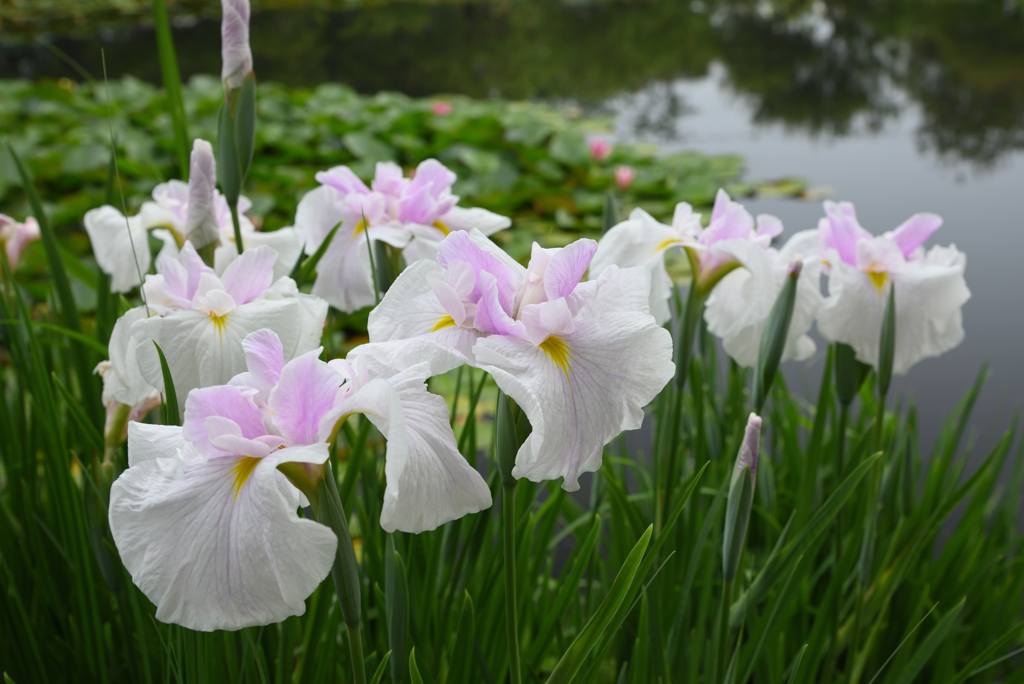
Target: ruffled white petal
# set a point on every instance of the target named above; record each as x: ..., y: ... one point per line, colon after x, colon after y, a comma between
x: 929, y: 295
x: 201, y: 350
x: 112, y: 237
x: 581, y: 390
x: 216, y: 543
x: 285, y: 242
x: 410, y: 326
x: 429, y: 483
x: 318, y: 212
x: 124, y: 382
x: 738, y: 308
x: 640, y: 241
x: 148, y: 442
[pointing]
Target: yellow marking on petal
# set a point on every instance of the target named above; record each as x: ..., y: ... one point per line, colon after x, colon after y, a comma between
x: 220, y: 324
x: 559, y: 352
x: 442, y: 227
x: 665, y: 244
x: 442, y: 323
x: 359, y: 229
x: 242, y: 471
x: 878, y: 278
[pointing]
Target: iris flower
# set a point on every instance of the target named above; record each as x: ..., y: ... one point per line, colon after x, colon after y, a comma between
x: 930, y: 287
x: 195, y: 212
x: 581, y: 359
x: 204, y: 518
x: 738, y: 299
x: 409, y: 214
x: 199, y: 318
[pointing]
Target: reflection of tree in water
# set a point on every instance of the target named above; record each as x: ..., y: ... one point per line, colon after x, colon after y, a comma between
x: 968, y: 77
x: 817, y: 73
x: 962, y: 61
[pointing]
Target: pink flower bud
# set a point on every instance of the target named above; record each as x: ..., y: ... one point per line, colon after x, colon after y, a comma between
x: 600, y: 149
x: 236, y: 56
x: 441, y: 108
x: 624, y: 176
x: 201, y: 225
x: 15, y: 237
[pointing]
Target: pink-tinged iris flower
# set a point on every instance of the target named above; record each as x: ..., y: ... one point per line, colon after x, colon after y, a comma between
x: 930, y: 287
x: 15, y: 237
x: 205, y: 521
x: 195, y: 212
x: 412, y: 214
x: 738, y: 299
x: 199, y: 318
x: 581, y: 359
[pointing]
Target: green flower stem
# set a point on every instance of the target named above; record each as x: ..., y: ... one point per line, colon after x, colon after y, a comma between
x: 508, y: 519
x: 329, y: 511
x: 683, y: 349
x: 237, y: 225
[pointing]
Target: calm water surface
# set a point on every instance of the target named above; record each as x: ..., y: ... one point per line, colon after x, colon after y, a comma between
x: 898, y: 107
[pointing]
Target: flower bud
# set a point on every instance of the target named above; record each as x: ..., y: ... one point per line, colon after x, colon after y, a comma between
x: 741, y: 498
x: 201, y: 225
x: 600, y: 149
x: 624, y: 176
x: 236, y: 55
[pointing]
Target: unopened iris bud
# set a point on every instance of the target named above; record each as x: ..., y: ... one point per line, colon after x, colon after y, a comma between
x: 201, y: 224
x: 236, y: 55
x: 741, y: 498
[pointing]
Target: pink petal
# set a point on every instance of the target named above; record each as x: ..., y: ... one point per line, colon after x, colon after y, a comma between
x: 264, y: 356
x: 566, y: 267
x: 843, y: 231
x: 194, y: 267
x: 913, y: 232
x: 389, y: 180
x: 306, y: 392
x: 459, y: 246
x: 548, y: 318
x: 342, y: 179
x: 225, y: 401
x: 435, y: 175
x: 491, y: 316
x: 248, y: 276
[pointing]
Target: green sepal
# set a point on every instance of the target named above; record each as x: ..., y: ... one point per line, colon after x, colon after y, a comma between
x: 396, y: 593
x: 850, y: 373
x: 773, y: 339
x: 228, y: 172
x: 171, y: 414
x: 245, y: 126
x: 737, y: 517
x: 345, y: 571
x: 304, y: 269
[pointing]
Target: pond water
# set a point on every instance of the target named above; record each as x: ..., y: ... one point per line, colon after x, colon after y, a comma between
x: 898, y: 107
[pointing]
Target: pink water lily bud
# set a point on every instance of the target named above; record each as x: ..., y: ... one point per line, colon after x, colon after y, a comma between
x: 15, y: 237
x: 624, y: 176
x: 441, y: 108
x: 236, y: 56
x: 600, y: 149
